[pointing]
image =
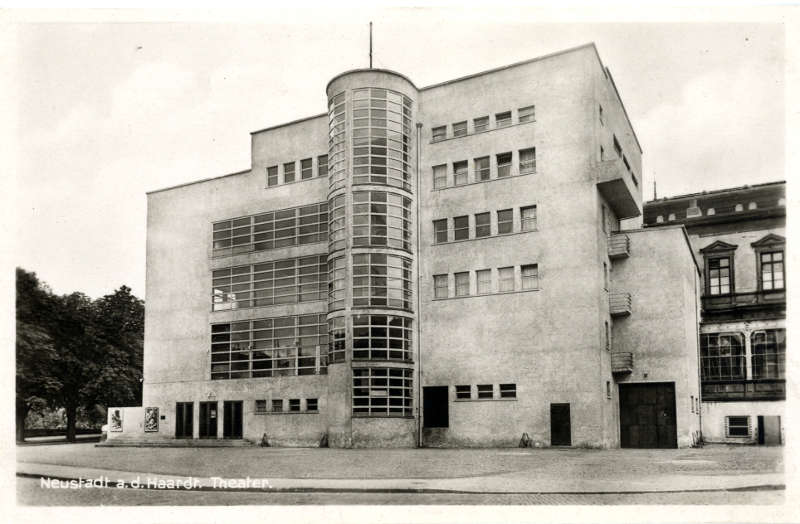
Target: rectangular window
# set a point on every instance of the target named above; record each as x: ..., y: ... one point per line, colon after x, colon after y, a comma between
x: 382, y: 392
x: 484, y: 281
x: 772, y: 270
x: 508, y: 391
x: 261, y: 406
x: 440, y: 286
x: 306, y: 168
x: 617, y: 147
x: 322, y: 165
x: 440, y: 231
x: 463, y: 392
x: 719, y: 276
x: 601, y: 113
x: 485, y: 391
x: 462, y: 284
x: 460, y: 173
x: 505, y: 221
x: 722, y: 356
x: 528, y: 218
x: 527, y: 160
x: 505, y: 279
x: 461, y: 228
x: 312, y: 404
x: 608, y: 337
x: 691, y: 403
x: 602, y: 154
x: 527, y: 114
x: 604, y: 218
x: 737, y: 426
x: 294, y: 404
x: 768, y: 353
x: 460, y: 129
x: 382, y: 337
x: 530, y: 276
x: 605, y: 276
x: 608, y: 389
x: 503, y: 165
x: 481, y: 124
x: 439, y: 133
x: 288, y: 173
x: 482, y: 169
x: 482, y: 225
x: 277, y: 405
x: 440, y: 176
x: 502, y: 119
x: 272, y: 176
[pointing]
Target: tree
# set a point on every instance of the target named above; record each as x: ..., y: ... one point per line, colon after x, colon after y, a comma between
x: 36, y: 356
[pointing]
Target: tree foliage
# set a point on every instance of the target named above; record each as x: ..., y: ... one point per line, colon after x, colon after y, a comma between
x: 73, y: 352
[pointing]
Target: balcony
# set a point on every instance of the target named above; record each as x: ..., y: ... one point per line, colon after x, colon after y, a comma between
x: 763, y: 389
x: 619, y: 304
x: 619, y: 246
x: 616, y: 185
x: 621, y: 362
x: 744, y: 301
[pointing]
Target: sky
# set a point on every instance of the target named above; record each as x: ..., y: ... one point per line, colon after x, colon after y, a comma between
x: 108, y: 111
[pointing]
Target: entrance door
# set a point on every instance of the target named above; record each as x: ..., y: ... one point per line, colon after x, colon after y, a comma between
x: 647, y: 415
x: 208, y: 420
x: 435, y: 407
x: 232, y: 419
x: 184, y: 419
x: 560, y: 425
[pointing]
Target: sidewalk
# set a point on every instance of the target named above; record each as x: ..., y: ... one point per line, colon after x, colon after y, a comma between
x: 457, y: 471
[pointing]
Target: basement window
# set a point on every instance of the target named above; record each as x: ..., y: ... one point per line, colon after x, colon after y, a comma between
x: 463, y: 392
x: 294, y: 404
x: 312, y: 404
x: 261, y: 406
x: 508, y: 391
x: 485, y: 391
x: 737, y: 426
x: 277, y: 405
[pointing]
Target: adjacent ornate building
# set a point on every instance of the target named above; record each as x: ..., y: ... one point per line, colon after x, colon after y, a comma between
x: 739, y: 234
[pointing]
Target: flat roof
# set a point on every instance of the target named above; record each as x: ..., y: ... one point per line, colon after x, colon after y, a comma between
x: 715, y: 192
x: 197, y: 181
x: 670, y: 226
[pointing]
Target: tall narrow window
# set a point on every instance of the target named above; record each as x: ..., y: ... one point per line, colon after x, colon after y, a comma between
x: 462, y: 284
x: 322, y: 166
x: 719, y: 276
x: 608, y: 336
x: 530, y: 276
x: 527, y: 160
x: 604, y: 218
x: 503, y: 119
x: 461, y: 228
x: 527, y: 114
x: 505, y: 221
x: 484, y: 278
x: 617, y: 147
x: 460, y: 175
x: 440, y: 176
x: 482, y: 169
x: 439, y: 133
x: 600, y: 108
x: 772, y: 270
x: 440, y: 230
x: 528, y: 218
x: 288, y: 173
x: 505, y: 279
x: 272, y: 176
x: 481, y: 124
x: 306, y: 168
x: 605, y: 276
x: 482, y: 225
x: 440, y: 286
x: 460, y: 129
x: 503, y: 165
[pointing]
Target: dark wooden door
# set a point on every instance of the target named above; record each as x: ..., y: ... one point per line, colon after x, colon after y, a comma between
x: 435, y: 407
x: 184, y: 419
x: 647, y: 415
x: 208, y: 420
x: 232, y: 419
x: 560, y: 425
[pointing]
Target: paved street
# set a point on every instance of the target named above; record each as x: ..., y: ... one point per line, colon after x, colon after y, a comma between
x: 710, y: 475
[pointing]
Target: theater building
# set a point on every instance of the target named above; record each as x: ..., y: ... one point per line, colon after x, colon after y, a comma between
x: 739, y: 234
x: 425, y: 266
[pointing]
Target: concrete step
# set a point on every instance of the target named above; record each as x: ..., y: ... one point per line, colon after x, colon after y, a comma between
x: 176, y: 443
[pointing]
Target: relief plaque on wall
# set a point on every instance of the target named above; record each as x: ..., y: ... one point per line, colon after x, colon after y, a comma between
x: 150, y: 419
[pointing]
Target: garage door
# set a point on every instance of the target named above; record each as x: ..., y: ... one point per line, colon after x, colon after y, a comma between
x: 647, y: 415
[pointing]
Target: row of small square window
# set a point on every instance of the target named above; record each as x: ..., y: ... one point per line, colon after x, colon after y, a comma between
x: 295, y: 405
x: 486, y: 392
x: 738, y: 208
x: 290, y: 171
x: 483, y: 225
x: 481, y: 124
x: 482, y: 169
x: 507, y: 281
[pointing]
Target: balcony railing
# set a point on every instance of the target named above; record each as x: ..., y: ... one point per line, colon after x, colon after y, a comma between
x: 750, y: 300
x: 619, y: 246
x: 764, y: 389
x: 619, y: 304
x: 621, y: 362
